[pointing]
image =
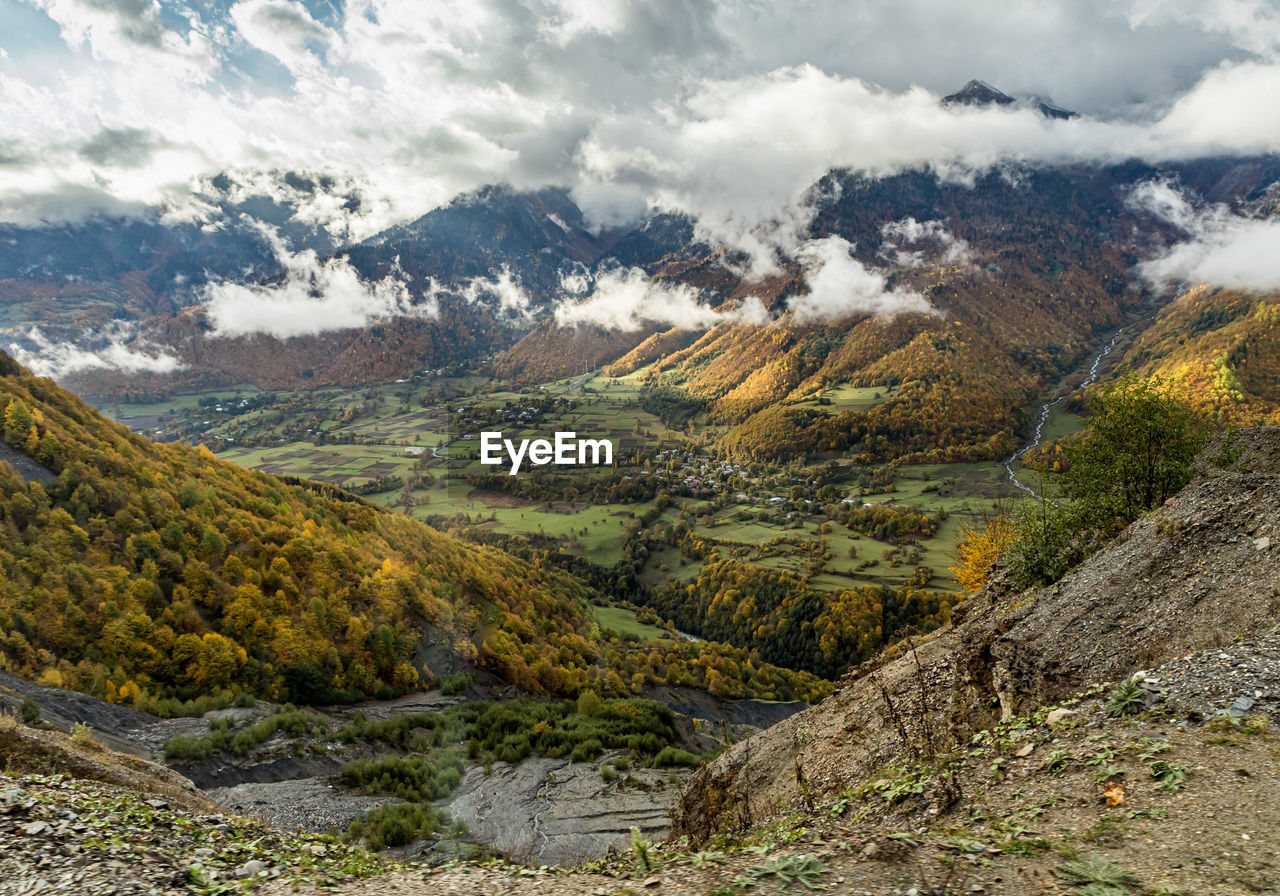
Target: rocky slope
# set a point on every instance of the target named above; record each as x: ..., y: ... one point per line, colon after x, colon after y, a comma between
x: 1075, y: 801
x: 1196, y: 574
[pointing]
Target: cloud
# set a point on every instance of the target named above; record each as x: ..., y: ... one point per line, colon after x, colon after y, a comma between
x: 116, y: 347
x: 505, y: 288
x: 502, y: 292
x: 120, y: 147
x: 947, y: 248
x: 132, y: 32
x: 718, y: 156
x: 626, y: 299
x: 727, y: 111
x: 1222, y: 249
x: 839, y: 285
x: 314, y: 296
x: 285, y: 30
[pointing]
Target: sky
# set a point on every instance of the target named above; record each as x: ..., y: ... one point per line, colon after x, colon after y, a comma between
x: 728, y: 110
x: 725, y: 109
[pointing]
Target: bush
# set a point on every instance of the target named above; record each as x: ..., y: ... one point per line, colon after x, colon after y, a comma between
x: 30, y: 711
x: 418, y: 778
x: 1051, y: 539
x: 670, y: 757
x: 397, y: 825
x: 222, y: 738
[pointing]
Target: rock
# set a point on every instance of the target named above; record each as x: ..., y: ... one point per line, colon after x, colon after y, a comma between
x: 652, y: 882
x: 1058, y: 715
x: 203, y: 852
x: 1262, y: 543
x: 1024, y: 750
x: 157, y: 804
x: 1241, y: 706
x: 252, y: 868
x: 37, y: 828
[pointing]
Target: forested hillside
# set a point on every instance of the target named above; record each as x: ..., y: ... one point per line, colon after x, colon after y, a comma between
x: 1221, y: 350
x: 152, y: 574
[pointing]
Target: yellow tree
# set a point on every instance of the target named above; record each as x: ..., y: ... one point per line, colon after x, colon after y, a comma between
x: 979, y: 550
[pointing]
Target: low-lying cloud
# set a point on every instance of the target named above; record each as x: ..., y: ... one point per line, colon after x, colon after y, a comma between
x: 116, y: 347
x: 913, y: 244
x: 840, y: 285
x: 1222, y: 249
x: 626, y: 299
x: 502, y: 290
x: 315, y: 296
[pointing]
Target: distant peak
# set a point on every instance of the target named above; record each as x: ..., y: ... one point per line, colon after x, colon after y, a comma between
x: 1052, y: 110
x: 978, y: 93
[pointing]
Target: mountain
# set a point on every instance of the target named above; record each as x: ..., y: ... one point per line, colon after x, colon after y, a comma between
x: 1025, y: 274
x: 159, y: 576
x: 978, y: 93
x: 1026, y: 269
x: 1107, y: 735
x: 541, y: 235
x: 1050, y: 110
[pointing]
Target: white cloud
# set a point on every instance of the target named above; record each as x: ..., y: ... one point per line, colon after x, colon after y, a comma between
x: 1231, y: 110
x: 285, y: 30
x: 942, y: 244
x: 839, y: 285
x: 723, y: 154
x: 132, y: 32
x: 116, y: 347
x: 505, y: 288
x: 726, y: 110
x: 315, y: 296
x: 1222, y: 249
x: 626, y: 299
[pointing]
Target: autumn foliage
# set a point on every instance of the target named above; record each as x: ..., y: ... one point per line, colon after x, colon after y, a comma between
x: 154, y: 574
x: 978, y: 551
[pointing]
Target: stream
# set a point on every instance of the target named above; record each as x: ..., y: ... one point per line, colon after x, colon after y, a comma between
x: 1046, y: 410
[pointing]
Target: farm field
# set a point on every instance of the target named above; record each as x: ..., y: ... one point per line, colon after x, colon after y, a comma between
x: 414, y: 446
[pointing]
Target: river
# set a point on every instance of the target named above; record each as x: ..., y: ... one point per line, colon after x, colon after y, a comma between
x: 1046, y: 410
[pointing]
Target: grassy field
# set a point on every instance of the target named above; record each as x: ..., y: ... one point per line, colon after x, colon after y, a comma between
x: 625, y: 622
x: 357, y: 437
x: 846, y: 398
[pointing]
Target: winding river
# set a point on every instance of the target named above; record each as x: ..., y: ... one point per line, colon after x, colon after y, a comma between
x: 1046, y: 410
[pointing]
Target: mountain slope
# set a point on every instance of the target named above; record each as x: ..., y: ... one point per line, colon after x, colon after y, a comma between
x: 1196, y: 574
x: 148, y: 573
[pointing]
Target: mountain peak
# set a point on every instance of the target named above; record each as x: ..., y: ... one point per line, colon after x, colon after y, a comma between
x: 1052, y: 110
x: 978, y: 93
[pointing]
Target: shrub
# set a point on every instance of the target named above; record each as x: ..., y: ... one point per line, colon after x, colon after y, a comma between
x: 397, y: 825
x: 1137, y: 451
x: 670, y: 757
x: 30, y: 712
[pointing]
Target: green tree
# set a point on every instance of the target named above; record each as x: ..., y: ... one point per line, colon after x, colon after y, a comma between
x: 18, y: 422
x: 1136, y: 454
